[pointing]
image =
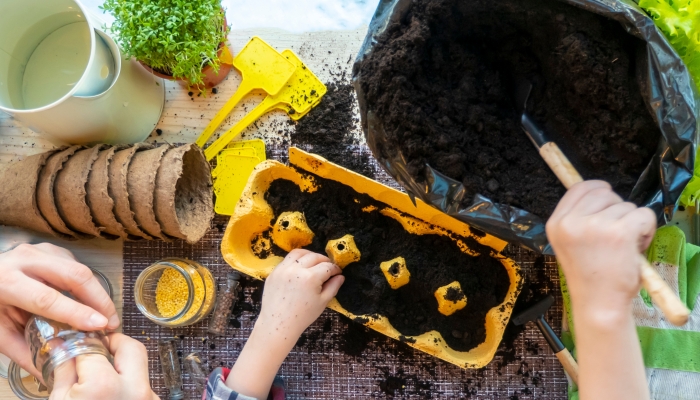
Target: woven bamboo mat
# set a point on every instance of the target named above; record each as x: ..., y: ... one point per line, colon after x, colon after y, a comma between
x: 338, y: 359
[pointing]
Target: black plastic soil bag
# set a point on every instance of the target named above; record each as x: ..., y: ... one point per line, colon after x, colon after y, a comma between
x: 667, y: 87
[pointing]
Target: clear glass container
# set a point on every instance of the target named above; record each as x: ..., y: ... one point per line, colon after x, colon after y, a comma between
x: 193, y: 366
x: 225, y: 301
x: 175, y: 292
x: 172, y: 372
x: 51, y: 344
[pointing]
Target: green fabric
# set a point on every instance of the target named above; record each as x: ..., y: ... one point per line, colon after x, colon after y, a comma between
x: 567, y: 338
x: 693, y: 274
x: 567, y: 306
x: 692, y: 189
x: 670, y: 349
x: 668, y: 247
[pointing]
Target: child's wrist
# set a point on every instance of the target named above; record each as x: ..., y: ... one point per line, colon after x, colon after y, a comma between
x: 275, y: 332
x: 603, y: 316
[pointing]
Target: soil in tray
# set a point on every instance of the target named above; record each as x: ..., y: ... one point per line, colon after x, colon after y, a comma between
x: 442, y: 82
x: 335, y: 210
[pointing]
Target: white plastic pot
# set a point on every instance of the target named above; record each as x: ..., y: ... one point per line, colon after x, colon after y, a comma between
x: 111, y: 100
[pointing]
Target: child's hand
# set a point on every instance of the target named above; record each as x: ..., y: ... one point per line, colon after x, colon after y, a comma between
x: 298, y: 290
x: 597, y: 239
x: 295, y: 294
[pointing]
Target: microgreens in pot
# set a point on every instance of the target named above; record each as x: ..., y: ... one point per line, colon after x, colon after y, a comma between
x: 174, y: 37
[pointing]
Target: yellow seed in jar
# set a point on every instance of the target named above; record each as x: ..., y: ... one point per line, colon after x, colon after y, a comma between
x: 197, y: 299
x: 171, y: 293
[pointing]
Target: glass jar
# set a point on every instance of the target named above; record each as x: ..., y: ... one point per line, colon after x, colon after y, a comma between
x: 51, y: 344
x: 175, y: 292
x: 193, y: 366
x: 172, y: 372
x: 225, y: 301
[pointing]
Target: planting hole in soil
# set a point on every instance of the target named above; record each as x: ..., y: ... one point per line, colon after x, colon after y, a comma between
x: 443, y: 90
x: 336, y: 211
x: 394, y: 270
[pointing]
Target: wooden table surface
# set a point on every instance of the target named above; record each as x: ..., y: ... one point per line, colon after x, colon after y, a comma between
x: 327, y: 54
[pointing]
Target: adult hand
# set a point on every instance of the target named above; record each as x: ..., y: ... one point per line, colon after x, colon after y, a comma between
x: 597, y: 239
x: 92, y: 377
x: 298, y: 290
x: 30, y: 279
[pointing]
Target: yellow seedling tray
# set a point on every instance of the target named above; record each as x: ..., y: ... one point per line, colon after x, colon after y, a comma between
x: 253, y: 216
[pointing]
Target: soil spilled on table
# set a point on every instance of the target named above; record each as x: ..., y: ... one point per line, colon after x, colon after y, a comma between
x: 442, y: 81
x: 335, y: 210
x: 331, y: 130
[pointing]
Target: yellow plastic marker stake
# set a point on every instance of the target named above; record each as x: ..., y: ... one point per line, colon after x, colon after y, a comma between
x: 240, y: 151
x: 231, y: 181
x: 262, y: 68
x: 233, y: 167
x: 257, y: 144
x: 302, y: 92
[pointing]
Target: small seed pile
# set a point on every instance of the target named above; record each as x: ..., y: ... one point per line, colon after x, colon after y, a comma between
x: 131, y: 192
x: 171, y: 293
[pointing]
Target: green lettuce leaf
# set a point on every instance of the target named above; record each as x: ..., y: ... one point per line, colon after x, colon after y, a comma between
x: 680, y: 22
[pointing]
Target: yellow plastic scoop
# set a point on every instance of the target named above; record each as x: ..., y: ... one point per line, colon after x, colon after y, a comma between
x: 261, y: 68
x: 299, y: 95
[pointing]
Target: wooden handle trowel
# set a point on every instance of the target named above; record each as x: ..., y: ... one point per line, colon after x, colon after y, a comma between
x: 659, y: 291
x: 549, y: 151
x: 536, y: 315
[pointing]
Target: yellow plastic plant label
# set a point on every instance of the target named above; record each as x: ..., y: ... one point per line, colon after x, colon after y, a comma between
x: 231, y: 179
x: 261, y: 68
x: 302, y: 92
x: 257, y: 144
x: 241, y: 151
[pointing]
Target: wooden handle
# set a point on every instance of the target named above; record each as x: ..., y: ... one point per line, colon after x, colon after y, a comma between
x: 666, y: 299
x: 659, y: 291
x: 570, y: 365
x: 560, y: 165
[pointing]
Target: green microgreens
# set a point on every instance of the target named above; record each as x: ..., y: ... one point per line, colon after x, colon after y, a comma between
x: 174, y: 37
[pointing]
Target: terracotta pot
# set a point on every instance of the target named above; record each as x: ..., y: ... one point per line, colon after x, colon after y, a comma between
x: 211, y: 78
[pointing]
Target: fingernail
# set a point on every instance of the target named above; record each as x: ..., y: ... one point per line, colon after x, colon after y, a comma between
x: 98, y: 320
x: 114, y: 322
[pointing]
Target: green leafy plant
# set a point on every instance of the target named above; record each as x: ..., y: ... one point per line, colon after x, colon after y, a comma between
x: 174, y: 37
x: 680, y: 23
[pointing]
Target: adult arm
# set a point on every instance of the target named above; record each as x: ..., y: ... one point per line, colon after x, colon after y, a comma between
x: 31, y: 278
x: 597, y: 239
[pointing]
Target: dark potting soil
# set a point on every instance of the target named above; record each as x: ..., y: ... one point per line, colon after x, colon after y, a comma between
x: 331, y: 130
x: 335, y: 210
x: 453, y: 294
x: 442, y: 81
